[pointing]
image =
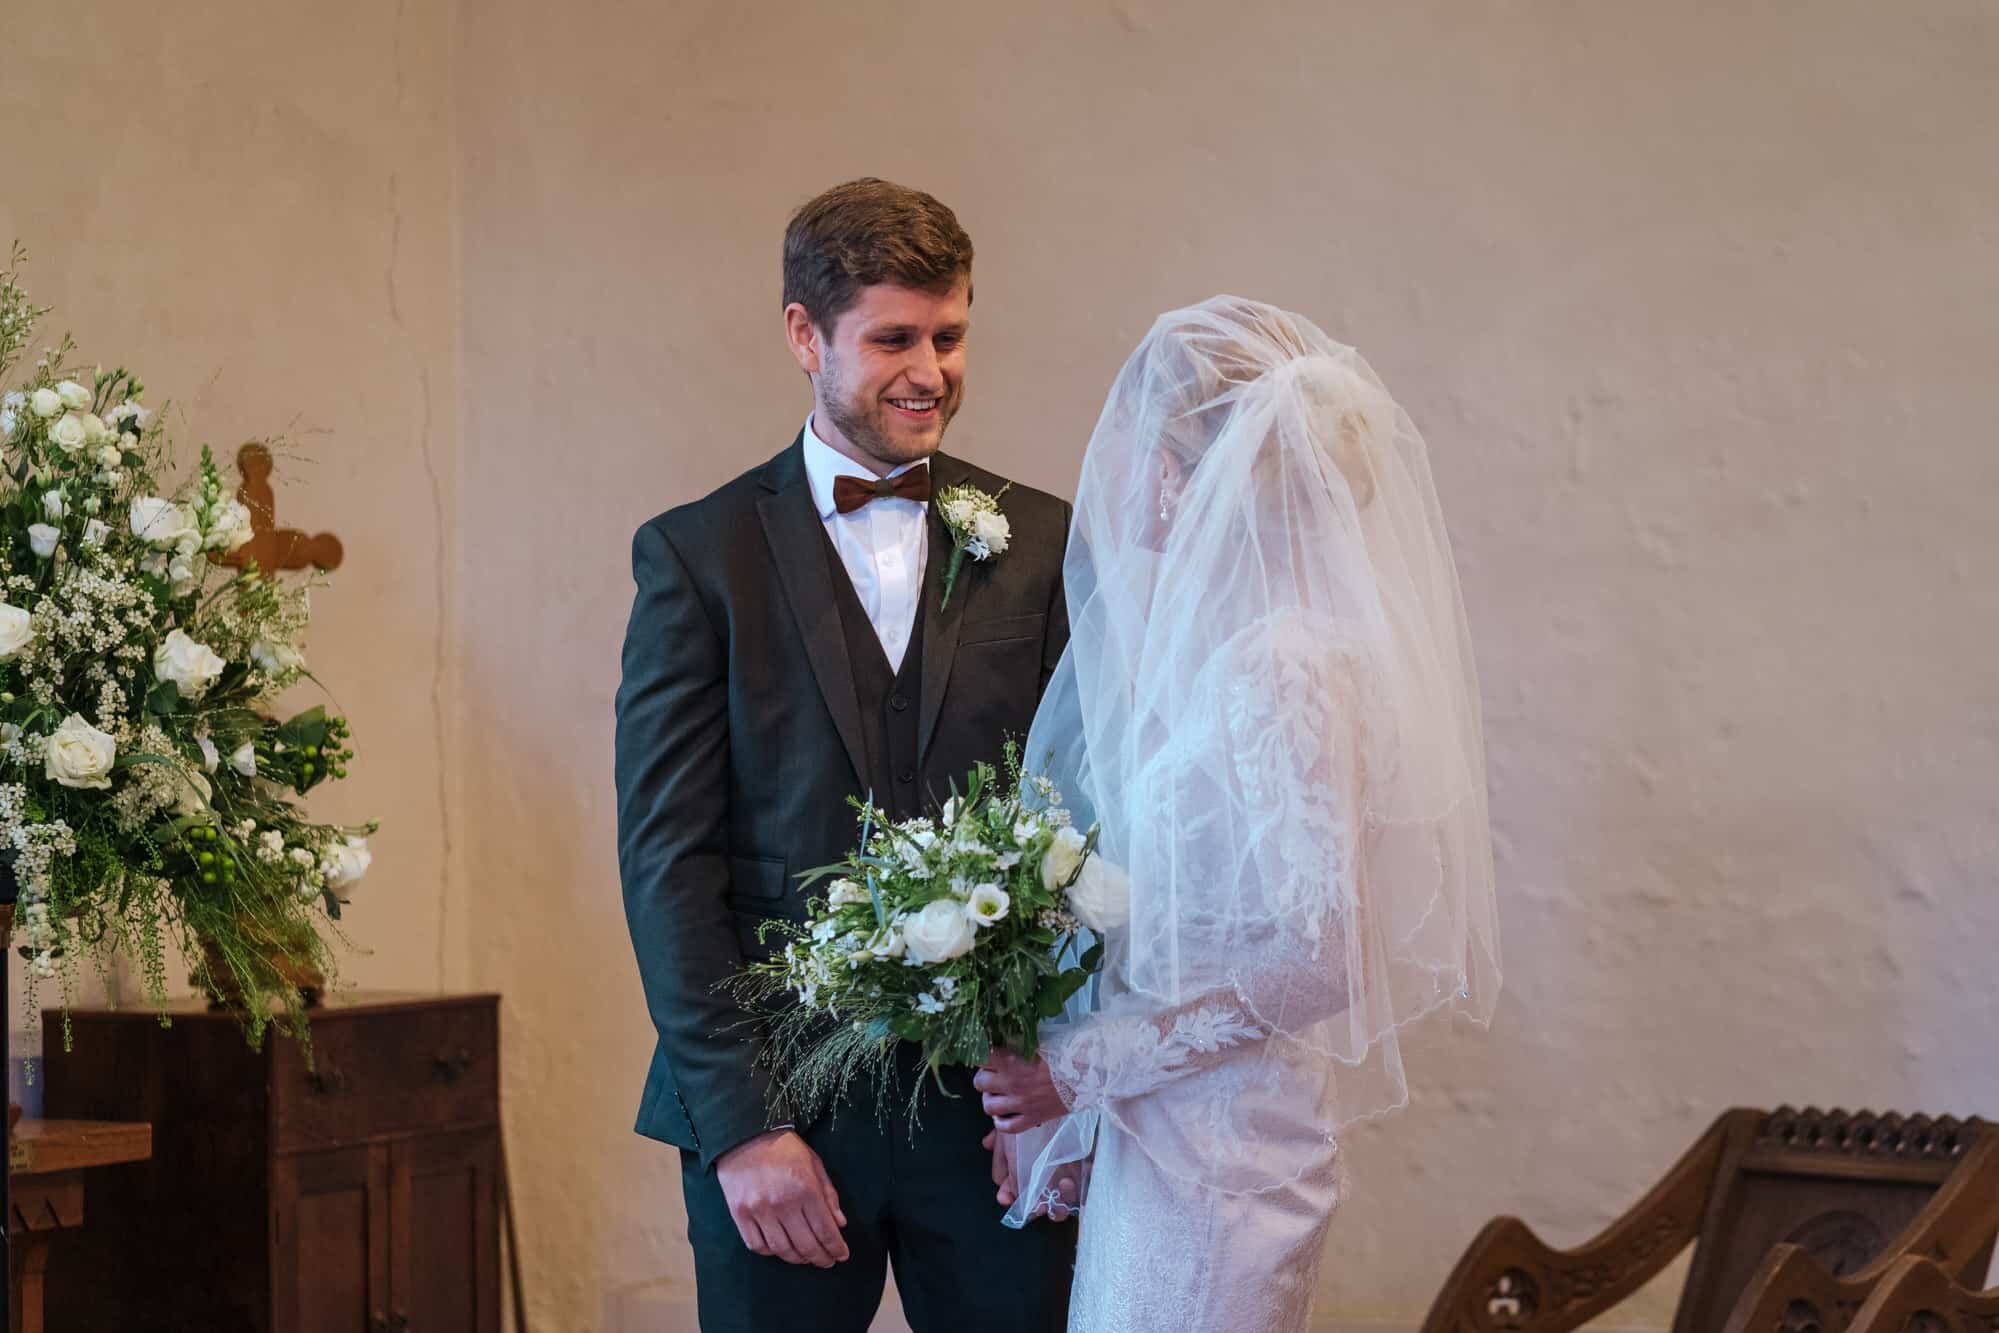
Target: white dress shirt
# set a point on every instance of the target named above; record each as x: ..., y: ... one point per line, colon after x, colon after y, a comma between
x: 882, y: 544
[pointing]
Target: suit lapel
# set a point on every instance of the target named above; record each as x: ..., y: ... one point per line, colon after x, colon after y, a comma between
x: 798, y: 551
x: 940, y: 625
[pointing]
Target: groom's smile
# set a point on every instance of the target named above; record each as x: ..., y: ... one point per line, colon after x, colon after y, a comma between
x: 890, y: 374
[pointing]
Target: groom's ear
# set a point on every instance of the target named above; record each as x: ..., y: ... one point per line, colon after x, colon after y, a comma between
x: 803, y: 336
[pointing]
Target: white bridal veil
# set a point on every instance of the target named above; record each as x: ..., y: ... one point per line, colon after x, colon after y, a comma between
x: 1269, y: 706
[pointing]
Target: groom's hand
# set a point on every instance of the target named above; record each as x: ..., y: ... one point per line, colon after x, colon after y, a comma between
x: 781, y: 1199
x: 1018, y: 1094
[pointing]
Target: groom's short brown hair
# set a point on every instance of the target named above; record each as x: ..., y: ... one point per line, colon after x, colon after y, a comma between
x: 866, y: 232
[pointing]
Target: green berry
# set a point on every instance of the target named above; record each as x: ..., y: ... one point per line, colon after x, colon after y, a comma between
x: 208, y: 877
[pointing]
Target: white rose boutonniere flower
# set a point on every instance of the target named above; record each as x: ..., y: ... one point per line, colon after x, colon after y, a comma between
x: 938, y: 933
x: 17, y: 630
x: 978, y: 529
x: 190, y: 665
x: 79, y: 755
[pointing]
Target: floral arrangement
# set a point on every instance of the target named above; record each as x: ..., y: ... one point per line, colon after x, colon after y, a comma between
x: 978, y: 529
x: 952, y: 933
x: 147, y: 793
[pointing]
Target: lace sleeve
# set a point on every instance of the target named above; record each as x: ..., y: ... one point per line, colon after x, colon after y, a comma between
x: 1268, y: 865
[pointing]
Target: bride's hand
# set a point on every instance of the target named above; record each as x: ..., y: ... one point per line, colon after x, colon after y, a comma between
x: 1018, y: 1094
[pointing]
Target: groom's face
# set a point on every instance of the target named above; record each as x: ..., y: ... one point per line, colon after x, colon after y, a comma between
x: 891, y: 373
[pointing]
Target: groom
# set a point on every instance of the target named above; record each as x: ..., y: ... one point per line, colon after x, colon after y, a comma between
x: 789, y: 649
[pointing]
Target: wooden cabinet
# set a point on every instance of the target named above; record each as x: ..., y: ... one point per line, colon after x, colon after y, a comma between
x: 359, y: 1194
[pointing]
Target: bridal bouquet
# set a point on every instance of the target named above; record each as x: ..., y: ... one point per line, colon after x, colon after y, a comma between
x: 960, y: 934
x: 147, y: 793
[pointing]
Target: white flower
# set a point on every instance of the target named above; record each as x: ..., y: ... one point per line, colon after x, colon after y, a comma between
x: 54, y: 507
x: 80, y: 755
x: 886, y: 942
x: 941, y: 931
x: 45, y: 403
x: 16, y: 630
x: 244, y: 761
x: 131, y: 411
x: 161, y: 522
x: 69, y: 434
x: 946, y: 987
x: 1101, y: 896
x: 95, y: 530
x: 231, y: 527
x: 42, y: 539
x: 949, y: 814
x: 109, y: 456
x: 94, y: 430
x: 959, y: 513
x: 272, y: 658
x: 345, y: 862
x: 193, y: 794
x: 987, y: 904
x: 301, y: 858
x: 1059, y: 862
x: 211, y: 758
x: 190, y: 665
x: 73, y: 395
x: 11, y: 404
x: 846, y: 892
x: 927, y: 1003
x: 992, y: 529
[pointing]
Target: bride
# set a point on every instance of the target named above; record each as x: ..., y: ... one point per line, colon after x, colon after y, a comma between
x: 1268, y: 705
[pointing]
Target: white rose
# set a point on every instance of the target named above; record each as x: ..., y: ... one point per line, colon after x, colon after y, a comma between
x: 886, y: 942
x: 45, y: 403
x: 69, y: 434
x: 845, y: 893
x: 211, y: 758
x: 1059, y: 862
x: 109, y: 456
x: 161, y: 522
x: 272, y: 658
x: 54, y: 507
x: 94, y: 430
x: 1101, y: 896
x: 74, y: 396
x: 193, y: 795
x: 244, y: 761
x: 345, y: 862
x: 190, y: 665
x: 993, y: 530
x: 42, y: 539
x: 79, y: 755
x: 941, y: 931
x: 16, y: 630
x: 95, y: 531
x: 988, y: 903
x: 232, y: 527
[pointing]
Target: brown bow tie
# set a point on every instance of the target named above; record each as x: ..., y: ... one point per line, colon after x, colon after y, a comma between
x: 850, y: 493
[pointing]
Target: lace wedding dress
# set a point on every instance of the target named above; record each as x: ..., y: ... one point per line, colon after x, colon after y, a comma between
x: 1268, y: 709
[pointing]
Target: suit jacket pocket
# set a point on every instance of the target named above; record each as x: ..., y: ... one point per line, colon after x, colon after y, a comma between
x: 1005, y: 629
x: 756, y: 882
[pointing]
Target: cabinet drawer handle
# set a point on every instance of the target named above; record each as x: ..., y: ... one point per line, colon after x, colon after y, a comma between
x: 450, y: 1068
x: 326, y: 1081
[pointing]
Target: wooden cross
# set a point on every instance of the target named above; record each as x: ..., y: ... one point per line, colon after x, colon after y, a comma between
x: 274, y: 548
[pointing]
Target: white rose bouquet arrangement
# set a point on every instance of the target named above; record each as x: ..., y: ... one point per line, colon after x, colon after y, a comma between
x: 147, y: 793
x: 961, y: 934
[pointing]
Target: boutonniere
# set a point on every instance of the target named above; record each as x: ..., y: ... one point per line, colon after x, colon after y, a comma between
x: 977, y: 528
